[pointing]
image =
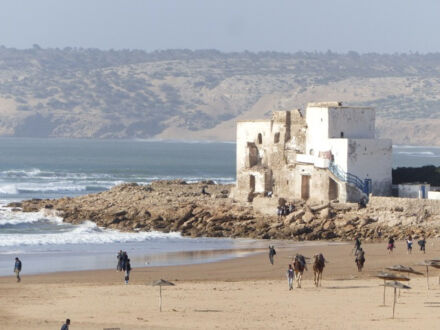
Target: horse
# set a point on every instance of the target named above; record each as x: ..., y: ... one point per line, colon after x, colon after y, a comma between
x: 360, y: 259
x: 318, y: 268
x: 299, y: 265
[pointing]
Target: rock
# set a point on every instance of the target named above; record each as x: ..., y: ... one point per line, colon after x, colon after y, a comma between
x: 15, y: 204
x: 178, y: 206
x: 120, y: 213
x: 293, y: 216
x: 325, y: 213
x: 308, y: 217
x: 329, y: 225
x: 365, y: 221
x: 317, y: 208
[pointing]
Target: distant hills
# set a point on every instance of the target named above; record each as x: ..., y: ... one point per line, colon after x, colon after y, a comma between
x: 198, y: 95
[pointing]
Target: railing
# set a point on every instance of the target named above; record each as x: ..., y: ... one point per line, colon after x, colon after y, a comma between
x: 363, y: 186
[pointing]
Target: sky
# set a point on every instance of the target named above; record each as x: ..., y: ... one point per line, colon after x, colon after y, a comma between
x: 383, y: 26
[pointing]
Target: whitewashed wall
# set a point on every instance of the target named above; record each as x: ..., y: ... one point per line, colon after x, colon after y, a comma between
x: 355, y: 123
x: 370, y: 158
x: 317, y: 129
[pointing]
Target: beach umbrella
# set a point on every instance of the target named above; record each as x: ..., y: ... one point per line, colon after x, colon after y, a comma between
x: 403, y: 269
x: 390, y: 277
x: 396, y: 285
x: 427, y: 263
x: 160, y: 284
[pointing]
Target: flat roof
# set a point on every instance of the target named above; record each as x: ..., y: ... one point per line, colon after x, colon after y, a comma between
x: 254, y: 121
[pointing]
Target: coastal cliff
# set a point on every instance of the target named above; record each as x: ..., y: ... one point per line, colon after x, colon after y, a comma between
x: 205, y: 209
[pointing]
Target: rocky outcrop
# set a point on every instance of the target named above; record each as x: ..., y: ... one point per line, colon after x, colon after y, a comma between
x: 188, y: 208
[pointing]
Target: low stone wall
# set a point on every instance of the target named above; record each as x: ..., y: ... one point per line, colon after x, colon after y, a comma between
x: 407, y: 205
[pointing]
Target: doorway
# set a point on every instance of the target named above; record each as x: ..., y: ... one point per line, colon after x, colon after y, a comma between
x: 252, y: 183
x: 332, y: 189
x: 305, y: 187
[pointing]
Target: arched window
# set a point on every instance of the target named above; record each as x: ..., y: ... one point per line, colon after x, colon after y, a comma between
x: 260, y: 138
x: 276, y: 138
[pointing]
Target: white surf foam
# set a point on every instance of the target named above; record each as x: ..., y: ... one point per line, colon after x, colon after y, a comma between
x: 8, y: 189
x: 86, y: 233
x: 8, y: 217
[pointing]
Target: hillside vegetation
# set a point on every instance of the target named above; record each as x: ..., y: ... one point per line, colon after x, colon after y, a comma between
x: 183, y: 94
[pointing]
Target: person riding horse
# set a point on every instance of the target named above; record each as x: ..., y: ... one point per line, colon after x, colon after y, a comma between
x: 360, y: 259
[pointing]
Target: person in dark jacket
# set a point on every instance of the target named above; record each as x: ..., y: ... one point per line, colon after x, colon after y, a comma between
x: 119, y: 257
x: 422, y: 244
x: 127, y: 271
x: 17, y: 269
x: 272, y: 253
x: 65, y: 326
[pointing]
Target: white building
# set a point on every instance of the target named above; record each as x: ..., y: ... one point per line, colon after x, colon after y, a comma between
x: 331, y: 153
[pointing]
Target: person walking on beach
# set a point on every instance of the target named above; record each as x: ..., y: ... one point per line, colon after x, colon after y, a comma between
x: 127, y: 271
x: 119, y: 257
x: 272, y: 253
x: 409, y: 243
x: 124, y: 261
x: 422, y: 244
x: 390, y: 246
x: 65, y: 326
x: 17, y: 268
x: 357, y: 245
x: 290, y: 274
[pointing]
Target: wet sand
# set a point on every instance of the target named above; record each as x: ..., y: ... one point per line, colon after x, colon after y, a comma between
x: 242, y: 293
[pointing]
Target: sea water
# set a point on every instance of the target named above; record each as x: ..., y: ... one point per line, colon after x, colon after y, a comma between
x: 53, y: 168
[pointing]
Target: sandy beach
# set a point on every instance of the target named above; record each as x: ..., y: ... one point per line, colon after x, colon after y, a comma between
x: 241, y: 293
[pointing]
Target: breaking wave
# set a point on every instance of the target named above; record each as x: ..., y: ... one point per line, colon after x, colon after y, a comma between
x: 86, y: 233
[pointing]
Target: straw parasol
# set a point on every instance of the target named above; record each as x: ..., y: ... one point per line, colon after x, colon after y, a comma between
x: 403, y: 269
x: 390, y: 277
x: 396, y: 285
x: 427, y: 263
x: 160, y: 284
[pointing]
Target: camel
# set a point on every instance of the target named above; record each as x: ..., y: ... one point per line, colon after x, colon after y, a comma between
x: 318, y: 268
x: 360, y: 259
x: 299, y: 265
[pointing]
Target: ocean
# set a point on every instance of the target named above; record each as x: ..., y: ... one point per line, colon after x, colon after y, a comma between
x: 52, y: 168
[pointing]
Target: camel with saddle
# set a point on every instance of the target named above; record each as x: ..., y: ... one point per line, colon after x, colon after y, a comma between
x: 318, y: 268
x: 299, y: 265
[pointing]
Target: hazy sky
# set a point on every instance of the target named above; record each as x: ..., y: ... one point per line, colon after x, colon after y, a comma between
x: 228, y: 25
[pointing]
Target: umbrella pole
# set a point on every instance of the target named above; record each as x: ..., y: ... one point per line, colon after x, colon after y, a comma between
x: 394, y: 302
x: 384, y: 287
x: 160, y: 298
x: 427, y: 276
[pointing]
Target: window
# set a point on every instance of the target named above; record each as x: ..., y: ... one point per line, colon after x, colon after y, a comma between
x: 276, y: 138
x: 260, y: 138
x: 342, y: 134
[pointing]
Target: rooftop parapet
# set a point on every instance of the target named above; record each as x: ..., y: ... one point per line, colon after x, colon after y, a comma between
x: 329, y: 104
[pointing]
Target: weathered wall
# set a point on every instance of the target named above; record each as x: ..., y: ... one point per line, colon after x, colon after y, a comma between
x: 434, y: 195
x: 372, y: 159
x: 355, y: 123
x: 412, y: 205
x: 411, y: 190
x: 248, y: 132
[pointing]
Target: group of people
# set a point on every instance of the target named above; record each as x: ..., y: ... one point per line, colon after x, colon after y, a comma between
x: 124, y: 265
x: 409, y: 244
x: 284, y: 210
